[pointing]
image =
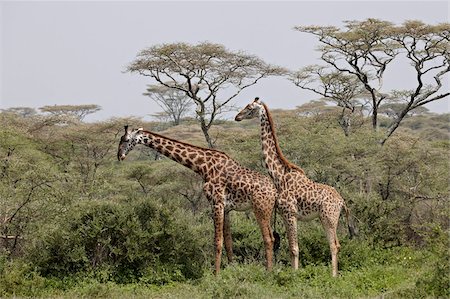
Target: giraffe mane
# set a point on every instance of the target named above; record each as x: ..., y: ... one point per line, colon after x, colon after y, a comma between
x: 283, y: 159
x: 185, y: 143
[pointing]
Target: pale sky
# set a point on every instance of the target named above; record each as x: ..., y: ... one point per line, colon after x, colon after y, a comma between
x: 61, y: 52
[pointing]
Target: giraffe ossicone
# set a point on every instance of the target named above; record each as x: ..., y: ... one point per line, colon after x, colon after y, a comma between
x: 227, y: 185
x: 298, y: 197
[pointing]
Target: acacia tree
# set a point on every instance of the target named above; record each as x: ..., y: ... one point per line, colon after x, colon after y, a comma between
x: 395, y: 107
x: 428, y: 50
x: 174, y: 102
x: 341, y: 89
x: 28, y: 180
x: 78, y: 112
x: 203, y: 72
x: 363, y: 50
x: 21, y: 111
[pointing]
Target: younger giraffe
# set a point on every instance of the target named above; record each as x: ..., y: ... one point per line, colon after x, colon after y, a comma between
x: 227, y: 185
x: 299, y: 197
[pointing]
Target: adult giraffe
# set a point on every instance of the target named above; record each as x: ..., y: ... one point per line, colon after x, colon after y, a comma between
x: 227, y: 185
x: 299, y: 197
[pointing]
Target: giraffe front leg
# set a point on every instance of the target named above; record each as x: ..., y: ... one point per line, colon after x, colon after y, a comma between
x: 215, y: 195
x: 293, y: 240
x: 290, y: 221
x: 289, y: 210
x: 227, y: 237
x: 263, y: 219
x: 218, y: 211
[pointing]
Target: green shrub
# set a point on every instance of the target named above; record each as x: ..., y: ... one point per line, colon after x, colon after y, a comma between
x: 248, y: 244
x: 122, y: 243
x: 436, y: 280
x: 18, y: 277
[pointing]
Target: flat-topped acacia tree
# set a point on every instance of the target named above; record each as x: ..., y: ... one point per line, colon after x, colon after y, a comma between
x: 357, y: 56
x: 78, y: 112
x: 174, y: 103
x: 209, y: 74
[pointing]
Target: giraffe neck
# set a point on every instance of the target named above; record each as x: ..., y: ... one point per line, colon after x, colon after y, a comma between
x: 276, y: 163
x: 188, y: 155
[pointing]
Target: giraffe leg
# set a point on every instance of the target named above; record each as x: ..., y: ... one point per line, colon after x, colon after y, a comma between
x: 227, y: 237
x: 263, y: 219
x: 330, y: 227
x: 334, y: 248
x: 215, y: 195
x: 289, y: 211
x: 290, y: 222
x: 218, y: 234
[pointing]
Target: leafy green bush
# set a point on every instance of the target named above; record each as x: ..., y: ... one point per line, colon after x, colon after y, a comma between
x: 17, y: 277
x: 248, y: 244
x: 122, y: 243
x: 436, y: 280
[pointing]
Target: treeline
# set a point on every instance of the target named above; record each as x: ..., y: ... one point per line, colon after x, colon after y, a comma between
x: 70, y: 209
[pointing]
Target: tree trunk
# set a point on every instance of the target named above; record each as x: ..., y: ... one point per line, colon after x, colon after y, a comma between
x: 205, y: 130
x: 395, y: 125
x: 344, y: 122
x: 375, y: 117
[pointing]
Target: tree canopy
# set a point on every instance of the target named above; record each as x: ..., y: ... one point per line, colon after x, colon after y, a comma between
x: 357, y: 56
x: 209, y: 74
x: 78, y: 112
x: 174, y: 102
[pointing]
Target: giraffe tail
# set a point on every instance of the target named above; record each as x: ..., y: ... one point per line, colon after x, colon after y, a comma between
x: 352, y: 230
x: 276, y: 235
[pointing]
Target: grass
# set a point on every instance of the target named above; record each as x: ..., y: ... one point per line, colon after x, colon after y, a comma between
x: 394, y: 275
x: 252, y: 281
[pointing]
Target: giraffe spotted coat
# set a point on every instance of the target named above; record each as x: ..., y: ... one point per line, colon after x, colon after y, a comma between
x: 299, y: 197
x: 227, y: 185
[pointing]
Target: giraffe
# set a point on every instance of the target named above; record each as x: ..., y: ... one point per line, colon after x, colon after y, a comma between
x: 298, y: 196
x: 227, y: 185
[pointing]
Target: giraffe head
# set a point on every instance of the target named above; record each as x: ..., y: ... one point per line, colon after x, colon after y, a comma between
x: 250, y: 111
x: 128, y: 141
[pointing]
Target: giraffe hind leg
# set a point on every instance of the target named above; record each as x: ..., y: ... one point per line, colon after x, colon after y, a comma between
x: 334, y: 248
x: 330, y: 227
x: 263, y: 219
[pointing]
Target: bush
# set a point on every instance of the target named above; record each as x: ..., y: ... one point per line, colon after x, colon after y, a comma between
x: 122, y: 243
x: 17, y: 277
x: 436, y: 280
x: 248, y: 244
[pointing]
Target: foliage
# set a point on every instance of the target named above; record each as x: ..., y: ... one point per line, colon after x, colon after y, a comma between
x: 202, y: 72
x: 391, y: 274
x: 357, y: 56
x: 145, y: 241
x: 19, y: 278
x: 28, y: 184
x: 436, y: 280
x: 174, y: 102
x: 78, y: 112
x: 82, y: 224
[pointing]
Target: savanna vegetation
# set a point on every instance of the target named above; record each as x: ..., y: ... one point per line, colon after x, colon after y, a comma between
x: 75, y: 222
